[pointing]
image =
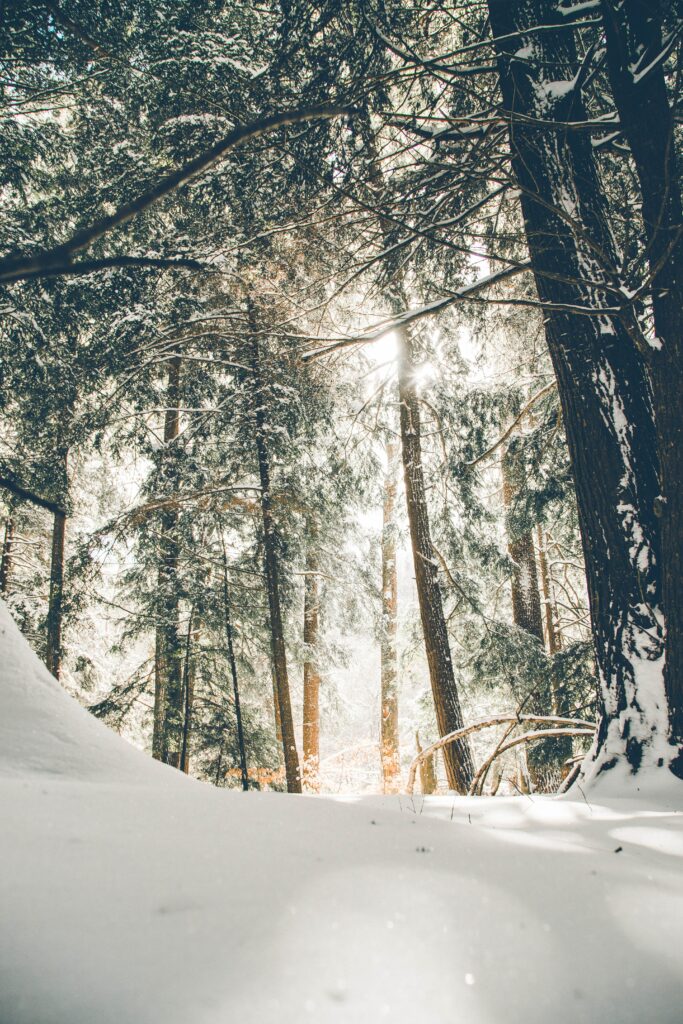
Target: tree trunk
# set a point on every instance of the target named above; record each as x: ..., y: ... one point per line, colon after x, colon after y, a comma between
x: 526, y: 599
x: 189, y: 674
x: 427, y: 772
x: 554, y: 639
x: 244, y: 770
x: 546, y: 756
x: 633, y: 32
x: 457, y: 756
x: 601, y: 376
x: 389, y: 736
x: 7, y: 554
x: 311, y: 669
x: 169, y: 711
x: 272, y: 569
x: 53, y: 650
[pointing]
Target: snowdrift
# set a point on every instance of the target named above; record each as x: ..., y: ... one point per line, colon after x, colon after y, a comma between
x: 132, y: 894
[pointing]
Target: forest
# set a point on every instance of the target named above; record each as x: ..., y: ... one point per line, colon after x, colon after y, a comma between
x: 341, y: 454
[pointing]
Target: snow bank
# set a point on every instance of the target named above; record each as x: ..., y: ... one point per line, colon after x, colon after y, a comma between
x: 130, y: 894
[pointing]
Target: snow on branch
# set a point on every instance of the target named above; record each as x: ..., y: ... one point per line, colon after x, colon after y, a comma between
x: 410, y: 315
x: 577, y: 725
x: 58, y: 260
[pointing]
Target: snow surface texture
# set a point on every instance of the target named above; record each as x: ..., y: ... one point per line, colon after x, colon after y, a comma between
x: 131, y: 894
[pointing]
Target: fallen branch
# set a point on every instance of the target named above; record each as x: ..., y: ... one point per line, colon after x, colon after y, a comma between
x: 539, y: 734
x: 486, y: 723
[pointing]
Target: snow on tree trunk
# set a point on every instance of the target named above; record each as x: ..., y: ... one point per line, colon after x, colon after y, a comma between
x: 601, y: 377
x: 389, y: 735
x: 633, y: 32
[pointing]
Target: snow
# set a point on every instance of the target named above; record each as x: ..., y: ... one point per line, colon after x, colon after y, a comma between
x: 131, y: 893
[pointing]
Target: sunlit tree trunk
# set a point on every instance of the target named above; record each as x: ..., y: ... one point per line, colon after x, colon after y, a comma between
x: 601, y: 375
x: 7, y: 555
x: 389, y: 734
x: 168, y: 698
x: 554, y: 640
x: 457, y: 756
x: 526, y: 598
x: 272, y: 568
x: 312, y: 679
x: 427, y: 770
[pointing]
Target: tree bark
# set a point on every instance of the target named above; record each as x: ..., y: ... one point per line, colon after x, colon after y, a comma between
x: 389, y: 734
x: 602, y: 380
x: 312, y: 676
x: 272, y: 570
x: 633, y: 33
x: 189, y: 674
x: 53, y: 649
x: 244, y: 769
x: 526, y: 598
x: 554, y: 639
x: 457, y: 756
x: 168, y: 706
x: 7, y: 555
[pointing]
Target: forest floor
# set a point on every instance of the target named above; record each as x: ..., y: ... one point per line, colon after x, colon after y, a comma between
x: 131, y: 894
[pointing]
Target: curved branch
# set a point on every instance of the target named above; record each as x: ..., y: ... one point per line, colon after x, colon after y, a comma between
x: 538, y: 734
x: 18, y: 268
x: 485, y: 723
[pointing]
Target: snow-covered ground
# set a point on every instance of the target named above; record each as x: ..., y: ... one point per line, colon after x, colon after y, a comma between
x: 131, y: 894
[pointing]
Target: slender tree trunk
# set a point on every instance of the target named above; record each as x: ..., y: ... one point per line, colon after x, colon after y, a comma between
x: 168, y: 711
x: 272, y: 569
x: 548, y: 755
x: 602, y: 380
x: 389, y: 733
x: 457, y: 756
x: 312, y: 676
x: 7, y: 555
x: 526, y: 599
x: 552, y: 632
x: 633, y: 32
x: 188, y: 692
x: 427, y: 771
x: 53, y: 650
x: 244, y: 769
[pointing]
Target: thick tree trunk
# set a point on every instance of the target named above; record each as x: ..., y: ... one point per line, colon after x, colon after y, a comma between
x: 312, y: 677
x: 272, y: 570
x: 602, y: 381
x: 457, y: 756
x: 7, y: 555
x: 633, y: 32
x: 53, y: 648
x: 169, y: 716
x: 389, y: 736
